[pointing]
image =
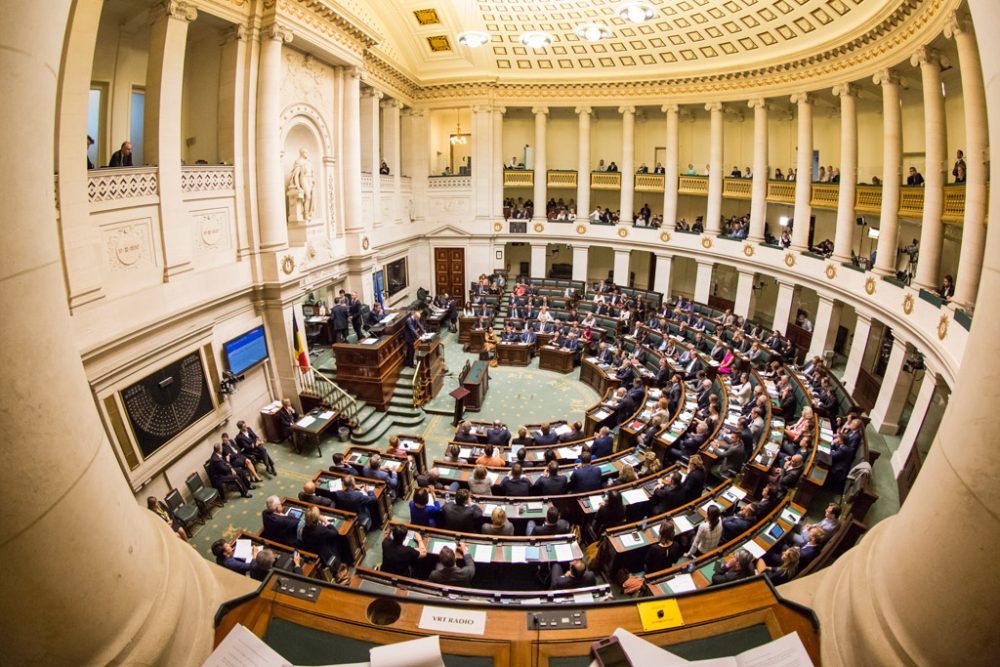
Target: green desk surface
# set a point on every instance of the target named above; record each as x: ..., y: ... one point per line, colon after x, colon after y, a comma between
x: 475, y: 373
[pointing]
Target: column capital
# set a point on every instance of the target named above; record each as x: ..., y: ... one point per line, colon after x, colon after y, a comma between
x: 500, y: 110
x: 237, y: 33
x: 626, y: 109
x: 584, y: 110
x: 389, y: 103
x: 373, y: 93
x: 355, y: 73
x: 864, y: 316
x: 540, y: 111
x: 757, y: 103
x: 670, y: 107
x: 925, y: 56
x: 714, y: 107
x: 801, y: 98
x: 415, y: 113
x: 276, y: 32
x: 885, y: 77
x: 823, y: 298
x: 845, y: 90
x: 955, y: 24
x: 482, y: 108
x: 173, y: 9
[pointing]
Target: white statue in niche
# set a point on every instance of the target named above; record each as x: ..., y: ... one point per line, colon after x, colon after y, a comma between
x: 301, y: 204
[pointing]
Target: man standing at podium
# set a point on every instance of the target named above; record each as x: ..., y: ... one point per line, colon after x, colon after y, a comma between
x: 412, y: 330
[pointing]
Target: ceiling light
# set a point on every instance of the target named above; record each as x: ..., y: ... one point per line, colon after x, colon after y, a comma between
x: 636, y: 12
x: 592, y: 32
x: 536, y: 40
x: 473, y: 38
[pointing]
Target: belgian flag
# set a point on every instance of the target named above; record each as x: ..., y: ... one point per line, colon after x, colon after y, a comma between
x: 298, y: 347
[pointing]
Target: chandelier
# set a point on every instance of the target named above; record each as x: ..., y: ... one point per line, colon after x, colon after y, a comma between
x: 458, y: 139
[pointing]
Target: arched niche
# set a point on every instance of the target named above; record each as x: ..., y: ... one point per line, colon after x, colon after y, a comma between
x: 302, y: 127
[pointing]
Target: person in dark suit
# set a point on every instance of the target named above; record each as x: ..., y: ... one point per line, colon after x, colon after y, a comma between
x: 286, y: 417
x: 625, y: 373
x: 354, y: 310
x: 675, y: 393
x: 242, y: 464
x: 663, y: 373
x: 221, y: 473
x: 550, y: 483
x: 309, y: 494
x: 340, y: 317
x: 841, y: 458
x: 515, y: 484
x: 464, y: 434
x: 739, y: 523
x: 740, y: 567
x: 693, y: 366
x: 528, y: 335
x: 278, y: 526
x: 547, y: 436
x: 397, y: 556
x: 353, y: 499
x: 122, y: 157
x: 412, y: 331
x: 669, y: 494
x: 322, y: 539
x: 374, y: 470
x: 575, y: 432
x: 376, y: 314
x: 498, y: 435
x: 808, y: 552
x: 605, y: 354
x: 585, y: 477
x: 688, y: 444
x: 791, y: 472
x: 694, y: 483
x: 603, y: 445
x: 571, y: 343
x: 553, y: 525
x: 577, y: 576
x: 637, y: 391
x: 265, y: 560
x: 223, y: 552
x: 340, y: 465
x: 461, y: 514
x: 788, y: 405
x: 253, y: 447
x: 626, y: 408
x: 454, y: 568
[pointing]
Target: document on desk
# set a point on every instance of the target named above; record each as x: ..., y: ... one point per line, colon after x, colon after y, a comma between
x: 482, y: 553
x: 243, y: 550
x: 336, y: 484
x: 683, y: 525
x: 633, y: 496
x: 305, y: 422
x: 564, y: 552
x: 632, y: 539
x: 369, y: 341
x: 437, y: 545
x: 519, y: 554
x: 755, y: 549
x: 326, y: 415
x: 786, y: 651
x: 682, y: 583
x: 425, y: 652
x: 242, y: 648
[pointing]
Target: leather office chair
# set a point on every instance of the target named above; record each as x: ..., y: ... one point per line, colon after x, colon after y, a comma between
x: 205, y: 496
x: 186, y: 514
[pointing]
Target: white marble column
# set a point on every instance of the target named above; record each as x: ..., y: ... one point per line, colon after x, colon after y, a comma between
x: 661, y: 284
x: 627, y: 201
x: 144, y: 597
x: 497, y: 167
x: 758, y: 198
x: 970, y: 262
x: 538, y: 251
x: 892, y: 163
x: 895, y: 388
x: 581, y: 256
x: 928, y: 385
x: 583, y: 163
x: 270, y: 179
x: 670, y: 168
x: 233, y: 122
x: 703, y: 281
x: 843, y: 241
x: 935, y: 143
x: 859, y: 343
x: 713, y: 210
x: 744, y: 293
x: 355, y: 224
x: 621, y: 271
x: 540, y: 195
x: 783, y: 306
x: 483, y: 160
x: 803, y: 171
x: 371, y: 101
x: 392, y: 150
x: 420, y: 163
x: 162, y: 125
x: 822, y: 325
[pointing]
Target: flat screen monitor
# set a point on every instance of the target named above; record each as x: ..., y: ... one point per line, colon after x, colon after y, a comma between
x: 246, y: 351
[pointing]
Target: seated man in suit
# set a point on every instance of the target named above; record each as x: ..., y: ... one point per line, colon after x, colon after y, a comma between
x: 547, y: 436
x: 791, y: 472
x: 688, y: 444
x: 693, y: 365
x: 551, y: 482
x: 498, y: 435
x: 571, y: 343
x: 663, y: 373
x: 352, y: 499
x: 637, y: 391
x: 340, y: 465
x: 577, y: 576
x: 603, y: 445
x: 309, y: 494
x: 515, y: 484
x: 575, y: 432
x: 739, y: 523
x: 253, y: 447
x: 625, y: 373
x: 278, y: 526
x: 261, y: 566
x: 553, y: 525
x: 222, y: 473
x: 223, y: 552
x: 585, y: 477
x: 605, y: 355
x: 811, y: 549
x: 528, y: 335
x: 509, y: 335
x: 626, y: 407
x: 454, y: 568
x: 461, y: 514
x: 668, y: 494
x: 242, y: 464
x: 374, y: 470
x: 286, y: 417
x: 322, y: 539
x: 464, y: 433
x: 704, y: 392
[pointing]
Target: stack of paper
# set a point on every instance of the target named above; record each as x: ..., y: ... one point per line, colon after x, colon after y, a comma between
x: 482, y: 553
x: 633, y: 496
x: 243, y: 550
x: 564, y: 552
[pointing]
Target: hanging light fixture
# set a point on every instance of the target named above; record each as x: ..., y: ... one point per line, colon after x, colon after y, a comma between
x: 592, y: 32
x: 636, y: 12
x: 473, y: 38
x: 458, y: 139
x: 536, y: 40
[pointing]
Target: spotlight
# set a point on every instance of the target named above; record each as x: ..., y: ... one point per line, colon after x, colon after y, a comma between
x: 536, y: 40
x: 592, y: 32
x: 473, y: 38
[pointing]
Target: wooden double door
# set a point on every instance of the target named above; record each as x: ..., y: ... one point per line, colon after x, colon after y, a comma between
x: 449, y: 273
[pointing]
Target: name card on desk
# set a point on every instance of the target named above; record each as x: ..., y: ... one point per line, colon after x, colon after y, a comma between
x: 462, y: 621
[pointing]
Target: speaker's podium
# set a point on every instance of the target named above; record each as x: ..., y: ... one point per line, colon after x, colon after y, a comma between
x: 430, y: 365
x: 370, y: 368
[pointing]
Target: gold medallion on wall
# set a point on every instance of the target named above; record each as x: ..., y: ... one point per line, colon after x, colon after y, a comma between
x: 497, y: 227
x: 870, y: 285
x: 749, y: 250
x: 581, y: 229
x: 706, y: 242
x: 288, y: 264
x: 622, y: 232
x: 908, y: 304
x: 831, y: 271
x: 665, y: 237
x: 539, y: 228
x: 365, y: 243
x: 942, y: 327
x: 789, y: 259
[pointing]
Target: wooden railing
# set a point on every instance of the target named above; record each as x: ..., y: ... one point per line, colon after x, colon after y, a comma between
x: 868, y: 199
x: 649, y: 182
x: 781, y: 192
x: 911, y: 202
x: 518, y: 178
x: 560, y: 179
x: 737, y: 188
x: 954, y: 203
x: 605, y: 180
x: 824, y: 195
x: 692, y: 185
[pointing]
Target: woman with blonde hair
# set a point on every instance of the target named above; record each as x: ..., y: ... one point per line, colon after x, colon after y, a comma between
x: 786, y: 571
x: 479, y: 484
x: 499, y: 525
x: 627, y: 475
x: 650, y: 464
x: 806, y: 422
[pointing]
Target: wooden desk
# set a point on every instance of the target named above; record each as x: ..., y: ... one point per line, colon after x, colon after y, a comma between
x: 401, y: 466
x: 414, y: 445
x: 428, y: 355
x: 477, y: 341
x: 271, y: 424
x: 309, y: 561
x: 346, y: 523
x: 334, y: 481
x: 465, y: 325
x: 597, y: 377
x: 322, y: 325
x: 556, y: 359
x: 370, y: 371
x: 513, y: 354
x: 477, y: 382
x: 312, y: 427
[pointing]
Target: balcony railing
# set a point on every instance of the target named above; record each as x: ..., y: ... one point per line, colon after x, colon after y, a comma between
x: 649, y: 182
x: 560, y: 179
x: 868, y: 199
x: 204, y: 178
x: 124, y: 183
x: 692, y: 185
x: 954, y: 203
x: 605, y: 180
x: 781, y: 192
x: 911, y: 202
x: 737, y: 188
x: 824, y: 195
x: 518, y: 178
